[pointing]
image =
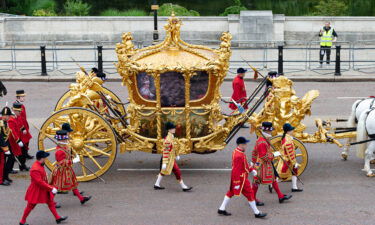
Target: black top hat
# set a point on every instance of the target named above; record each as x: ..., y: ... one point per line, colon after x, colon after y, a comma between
x: 169, y: 125
x: 267, y: 126
x: 102, y: 76
x: 41, y: 155
x: 20, y: 93
x: 287, y: 127
x: 66, y: 126
x: 242, y: 140
x: 272, y: 74
x: 241, y: 70
x: 61, y: 135
x: 6, y: 111
x: 17, y: 106
x: 94, y: 70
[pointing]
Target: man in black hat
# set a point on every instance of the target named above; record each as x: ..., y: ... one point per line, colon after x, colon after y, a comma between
x: 239, y: 89
x: 168, y: 160
x: 240, y: 183
x: 271, y: 75
x: 39, y: 191
x: 25, y: 134
x: 4, y: 147
x: 94, y: 71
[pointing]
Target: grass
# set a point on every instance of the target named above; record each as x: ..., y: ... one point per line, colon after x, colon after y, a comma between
x: 130, y: 12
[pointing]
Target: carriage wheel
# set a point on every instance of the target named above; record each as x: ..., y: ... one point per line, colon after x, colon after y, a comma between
x: 92, y: 135
x: 301, y: 154
x: 66, y: 96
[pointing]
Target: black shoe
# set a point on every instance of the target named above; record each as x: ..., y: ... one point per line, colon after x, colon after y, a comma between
x: 9, y: 180
x: 22, y: 168
x: 62, y: 192
x: 5, y: 183
x: 286, y: 197
x: 85, y: 199
x: 24, y: 224
x: 223, y: 212
x: 61, y: 219
x: 29, y: 156
x: 158, y: 187
x: 13, y: 172
x: 81, y: 193
x: 297, y: 190
x: 187, y: 189
x: 57, y: 206
x: 260, y: 215
x: 260, y: 203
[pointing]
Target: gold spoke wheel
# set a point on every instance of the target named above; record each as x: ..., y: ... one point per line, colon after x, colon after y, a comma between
x: 92, y: 136
x: 301, y: 154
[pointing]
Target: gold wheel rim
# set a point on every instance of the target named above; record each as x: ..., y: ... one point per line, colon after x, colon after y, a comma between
x: 92, y: 136
x: 301, y: 154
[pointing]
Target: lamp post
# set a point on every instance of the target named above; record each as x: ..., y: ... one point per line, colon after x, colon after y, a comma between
x: 155, y: 8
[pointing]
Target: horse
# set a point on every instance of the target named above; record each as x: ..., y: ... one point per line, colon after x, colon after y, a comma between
x: 357, y: 109
x: 366, y: 132
x: 3, y: 90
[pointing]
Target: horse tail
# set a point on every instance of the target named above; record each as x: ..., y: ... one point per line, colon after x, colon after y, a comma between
x: 362, y: 134
x: 351, y: 121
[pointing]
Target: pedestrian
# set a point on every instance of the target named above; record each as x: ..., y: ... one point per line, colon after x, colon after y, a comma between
x: 168, y: 161
x: 262, y: 157
x: 25, y: 134
x: 63, y: 176
x: 327, y: 36
x: 240, y: 183
x: 289, y: 162
x: 39, y: 191
x: 4, y: 147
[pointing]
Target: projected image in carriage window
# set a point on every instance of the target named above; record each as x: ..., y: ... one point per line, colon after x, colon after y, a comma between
x: 172, y: 89
x: 198, y: 85
x: 146, y: 86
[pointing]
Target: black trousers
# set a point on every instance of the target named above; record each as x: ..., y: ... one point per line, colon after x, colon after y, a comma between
x: 325, y: 50
x: 8, y: 166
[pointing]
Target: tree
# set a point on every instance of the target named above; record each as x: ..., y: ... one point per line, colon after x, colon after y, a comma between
x: 167, y: 9
x: 76, y: 8
x: 331, y: 8
x: 234, y: 9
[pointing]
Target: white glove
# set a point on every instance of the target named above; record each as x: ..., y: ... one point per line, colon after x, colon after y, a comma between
x: 254, y: 173
x: 20, y: 144
x: 7, y: 153
x: 76, y: 159
x: 297, y: 165
x: 164, y: 166
x: 178, y: 158
x: 54, y: 191
x: 276, y: 154
x: 24, y: 132
x: 237, y: 187
x: 108, y: 97
x: 251, y: 164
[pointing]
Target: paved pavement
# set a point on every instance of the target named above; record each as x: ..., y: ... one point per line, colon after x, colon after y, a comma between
x: 335, y: 191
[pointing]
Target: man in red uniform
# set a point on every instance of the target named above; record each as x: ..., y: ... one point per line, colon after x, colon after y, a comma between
x: 239, y: 89
x: 239, y: 180
x: 63, y: 176
x: 4, y: 146
x: 262, y: 157
x: 25, y: 135
x: 39, y: 191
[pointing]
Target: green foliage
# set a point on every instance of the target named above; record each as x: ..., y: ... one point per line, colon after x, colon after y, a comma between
x: 27, y: 7
x: 331, y: 8
x: 130, y: 12
x: 167, y: 9
x: 287, y: 7
x: 44, y: 12
x: 234, y: 9
x: 76, y: 8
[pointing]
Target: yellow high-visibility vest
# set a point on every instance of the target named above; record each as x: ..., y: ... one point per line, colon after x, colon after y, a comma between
x: 326, y: 38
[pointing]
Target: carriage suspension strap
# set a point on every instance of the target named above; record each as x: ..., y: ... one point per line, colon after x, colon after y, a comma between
x: 362, y: 142
x: 124, y: 123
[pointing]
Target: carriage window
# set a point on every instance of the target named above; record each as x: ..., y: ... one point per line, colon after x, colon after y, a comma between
x: 198, y: 85
x: 146, y: 86
x: 172, y: 89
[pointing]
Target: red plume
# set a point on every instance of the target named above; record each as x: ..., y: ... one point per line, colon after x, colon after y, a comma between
x: 255, y: 74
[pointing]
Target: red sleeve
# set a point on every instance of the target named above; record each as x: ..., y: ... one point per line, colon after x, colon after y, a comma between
x: 13, y: 126
x: 37, y: 177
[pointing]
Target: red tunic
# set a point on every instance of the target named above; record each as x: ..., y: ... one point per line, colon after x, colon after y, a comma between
x: 14, y: 125
x: 239, y: 92
x: 63, y: 176
x: 240, y: 171
x: 24, y: 125
x: 289, y: 155
x: 263, y: 156
x: 39, y: 190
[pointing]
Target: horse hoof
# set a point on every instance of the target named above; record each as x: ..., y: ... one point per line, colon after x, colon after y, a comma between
x: 344, y: 156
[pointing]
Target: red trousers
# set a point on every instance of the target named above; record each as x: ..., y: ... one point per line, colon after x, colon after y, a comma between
x: 30, y: 207
x: 275, y: 186
x: 247, y: 191
x: 176, y: 170
x: 76, y: 193
x: 2, y: 164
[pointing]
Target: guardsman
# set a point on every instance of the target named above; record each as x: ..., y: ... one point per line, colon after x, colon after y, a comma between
x: 168, y: 160
x: 63, y: 176
x: 239, y: 89
x: 239, y: 180
x: 39, y: 191
x: 25, y: 134
x: 4, y: 147
x: 262, y: 157
x: 327, y: 36
x: 94, y: 71
x: 289, y: 162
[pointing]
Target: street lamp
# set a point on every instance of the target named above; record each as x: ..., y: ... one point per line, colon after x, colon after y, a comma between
x: 155, y: 8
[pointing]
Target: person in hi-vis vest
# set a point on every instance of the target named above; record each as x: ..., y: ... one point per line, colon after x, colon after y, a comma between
x: 327, y: 36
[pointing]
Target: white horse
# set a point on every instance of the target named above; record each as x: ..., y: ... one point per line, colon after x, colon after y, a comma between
x: 366, y: 131
x: 357, y: 109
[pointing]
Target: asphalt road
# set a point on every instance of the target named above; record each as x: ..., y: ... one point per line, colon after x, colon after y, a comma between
x: 335, y: 191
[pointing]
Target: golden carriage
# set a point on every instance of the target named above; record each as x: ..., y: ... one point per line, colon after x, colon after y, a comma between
x: 171, y: 81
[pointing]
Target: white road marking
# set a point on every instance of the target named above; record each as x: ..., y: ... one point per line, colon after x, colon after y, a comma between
x: 202, y: 169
